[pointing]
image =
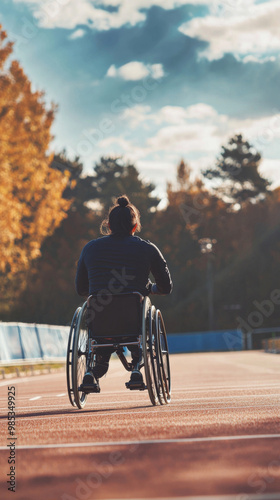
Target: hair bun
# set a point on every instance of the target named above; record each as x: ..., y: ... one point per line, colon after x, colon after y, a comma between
x: 123, y: 201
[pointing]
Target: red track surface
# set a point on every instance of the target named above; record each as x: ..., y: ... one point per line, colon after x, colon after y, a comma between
x: 219, y: 437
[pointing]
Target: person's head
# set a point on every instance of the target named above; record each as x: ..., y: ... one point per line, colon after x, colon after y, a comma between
x: 123, y: 219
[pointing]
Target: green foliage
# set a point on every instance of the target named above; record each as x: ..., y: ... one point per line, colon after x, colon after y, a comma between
x: 237, y: 173
x: 112, y: 177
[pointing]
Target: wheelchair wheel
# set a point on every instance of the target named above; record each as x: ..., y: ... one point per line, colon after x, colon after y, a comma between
x: 69, y: 358
x: 79, y: 356
x: 163, y: 357
x: 154, y: 354
x: 148, y: 352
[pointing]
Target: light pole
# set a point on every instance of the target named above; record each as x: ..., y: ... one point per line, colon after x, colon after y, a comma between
x: 206, y: 247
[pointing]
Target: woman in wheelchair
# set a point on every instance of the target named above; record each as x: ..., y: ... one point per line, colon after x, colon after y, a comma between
x: 119, y: 263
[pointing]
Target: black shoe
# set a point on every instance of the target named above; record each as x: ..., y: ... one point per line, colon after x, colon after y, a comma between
x: 136, y: 382
x: 89, y: 384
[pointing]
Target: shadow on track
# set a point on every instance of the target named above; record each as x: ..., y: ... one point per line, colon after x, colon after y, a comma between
x: 73, y: 411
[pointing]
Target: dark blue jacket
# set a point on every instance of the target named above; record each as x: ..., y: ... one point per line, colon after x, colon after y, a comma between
x: 121, y: 264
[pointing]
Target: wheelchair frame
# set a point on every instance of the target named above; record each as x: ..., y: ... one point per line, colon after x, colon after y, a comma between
x: 153, y: 349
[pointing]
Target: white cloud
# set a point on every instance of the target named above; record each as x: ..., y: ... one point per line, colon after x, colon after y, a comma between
x: 117, y: 145
x: 270, y: 168
x: 191, y: 137
x: 156, y: 166
x: 249, y: 31
x: 242, y: 27
x: 157, y: 71
x: 172, y: 115
x: 137, y: 115
x: 156, y: 141
x: 205, y: 133
x: 112, y: 71
x: 199, y: 127
x: 136, y: 70
x: 195, y: 133
x: 254, y: 59
x: 133, y: 70
x: 77, y: 34
x: 70, y: 13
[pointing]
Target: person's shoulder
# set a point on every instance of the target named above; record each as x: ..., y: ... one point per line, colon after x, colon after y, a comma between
x: 139, y: 241
x: 155, y: 250
x: 102, y: 239
x: 147, y: 244
x: 94, y: 243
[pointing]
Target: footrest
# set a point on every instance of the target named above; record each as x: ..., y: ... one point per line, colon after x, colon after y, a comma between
x: 136, y: 386
x: 87, y: 389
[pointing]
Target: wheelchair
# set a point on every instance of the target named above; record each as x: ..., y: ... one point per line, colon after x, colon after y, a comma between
x: 119, y: 321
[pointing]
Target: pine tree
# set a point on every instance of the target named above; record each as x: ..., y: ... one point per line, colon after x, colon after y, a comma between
x: 236, y: 173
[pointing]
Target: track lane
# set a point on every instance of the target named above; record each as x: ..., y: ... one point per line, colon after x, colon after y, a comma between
x: 234, y: 394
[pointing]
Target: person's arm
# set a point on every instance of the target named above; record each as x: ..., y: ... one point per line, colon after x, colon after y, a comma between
x: 81, y: 282
x: 163, y: 283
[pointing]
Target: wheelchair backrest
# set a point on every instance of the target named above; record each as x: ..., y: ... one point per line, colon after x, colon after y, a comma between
x: 115, y: 315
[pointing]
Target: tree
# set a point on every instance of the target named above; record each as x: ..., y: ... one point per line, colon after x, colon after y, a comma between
x: 49, y: 295
x: 237, y: 173
x: 183, y: 174
x: 192, y: 213
x: 113, y: 177
x: 31, y: 193
x: 72, y: 170
x: 31, y: 202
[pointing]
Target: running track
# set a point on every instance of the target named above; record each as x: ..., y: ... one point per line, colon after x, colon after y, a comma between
x: 218, y: 439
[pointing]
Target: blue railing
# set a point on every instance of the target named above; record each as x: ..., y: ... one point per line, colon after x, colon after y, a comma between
x: 221, y: 340
x: 22, y: 341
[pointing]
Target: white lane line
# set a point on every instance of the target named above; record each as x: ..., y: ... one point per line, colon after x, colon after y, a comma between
x: 34, y: 399
x: 150, y: 441
x: 130, y: 413
x: 244, y: 496
x: 232, y: 396
x: 186, y: 390
x: 240, y: 387
x: 34, y: 378
x: 175, y: 403
x: 135, y: 401
x: 251, y: 383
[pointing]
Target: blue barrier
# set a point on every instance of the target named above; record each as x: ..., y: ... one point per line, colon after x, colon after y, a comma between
x: 30, y: 341
x: 223, y: 340
x: 53, y: 341
x: 30, y: 344
x: 10, y: 345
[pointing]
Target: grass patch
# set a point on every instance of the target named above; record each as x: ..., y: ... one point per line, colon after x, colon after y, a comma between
x: 27, y: 369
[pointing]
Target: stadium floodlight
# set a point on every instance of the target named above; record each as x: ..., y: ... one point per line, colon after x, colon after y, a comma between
x: 206, y: 247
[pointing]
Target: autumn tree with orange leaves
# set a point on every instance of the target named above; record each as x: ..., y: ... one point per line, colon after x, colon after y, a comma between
x: 31, y: 201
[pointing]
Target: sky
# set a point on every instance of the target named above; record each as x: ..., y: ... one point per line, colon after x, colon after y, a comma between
x: 154, y: 80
